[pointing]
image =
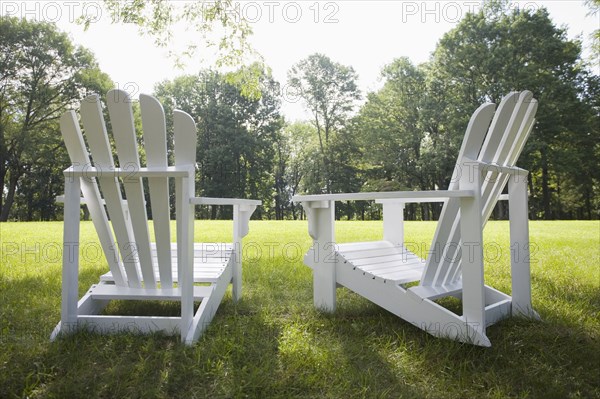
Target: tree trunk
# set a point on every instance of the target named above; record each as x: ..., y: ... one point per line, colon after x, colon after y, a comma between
x: 545, y: 187
x: 86, y: 213
x: 588, y: 204
x: 532, y: 215
x: 2, y: 178
x: 10, y: 197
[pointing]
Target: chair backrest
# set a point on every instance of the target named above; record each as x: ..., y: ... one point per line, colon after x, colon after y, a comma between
x: 491, y: 137
x: 130, y: 257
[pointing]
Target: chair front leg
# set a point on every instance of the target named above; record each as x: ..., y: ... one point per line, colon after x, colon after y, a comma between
x: 70, y: 267
x: 185, y: 251
x: 321, y: 217
x: 472, y: 250
x: 519, y: 243
x: 241, y: 220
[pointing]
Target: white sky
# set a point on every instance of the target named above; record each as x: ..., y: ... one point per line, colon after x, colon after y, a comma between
x: 363, y: 34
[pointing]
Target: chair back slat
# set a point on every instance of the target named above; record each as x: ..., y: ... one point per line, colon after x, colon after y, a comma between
x: 510, y: 150
x: 97, y: 139
x: 502, y: 145
x: 132, y: 257
x: 501, y: 121
x: 497, y: 152
x: 474, y: 136
x: 69, y: 126
x: 184, y: 136
x: 122, y: 122
x: 184, y: 131
x: 155, y: 144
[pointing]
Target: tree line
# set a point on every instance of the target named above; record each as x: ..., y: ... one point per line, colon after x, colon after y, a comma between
x: 404, y: 136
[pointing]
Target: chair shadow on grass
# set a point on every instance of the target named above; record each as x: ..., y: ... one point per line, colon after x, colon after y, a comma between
x: 551, y: 358
x: 260, y: 348
x: 220, y: 364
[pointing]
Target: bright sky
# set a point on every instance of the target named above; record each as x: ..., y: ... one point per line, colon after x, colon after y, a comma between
x: 363, y: 34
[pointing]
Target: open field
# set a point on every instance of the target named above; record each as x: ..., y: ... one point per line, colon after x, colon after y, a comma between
x: 274, y: 344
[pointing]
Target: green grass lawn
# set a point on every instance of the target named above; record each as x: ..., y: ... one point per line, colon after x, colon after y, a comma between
x: 274, y: 344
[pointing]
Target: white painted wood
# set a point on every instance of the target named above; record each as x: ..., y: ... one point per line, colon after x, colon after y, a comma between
x: 237, y: 257
x: 433, y: 196
x: 448, y: 222
x: 377, y: 270
x: 208, y: 308
x: 493, y: 152
x: 513, y: 155
x: 422, y: 313
x: 70, y: 269
x: 97, y: 137
x: 155, y: 144
x: 505, y: 155
x: 183, y: 262
x: 393, y: 222
x: 210, y: 261
x: 497, y: 312
x: 88, y: 305
x: 364, y: 246
x: 321, y: 229
x: 185, y: 154
x: 130, y: 173
x: 436, y: 291
x: 520, y: 254
x: 186, y: 256
x: 185, y: 132
x: 375, y: 253
x: 472, y: 255
x: 386, y: 261
x: 498, y: 126
x: 89, y: 187
x: 110, y: 291
x: 121, y: 118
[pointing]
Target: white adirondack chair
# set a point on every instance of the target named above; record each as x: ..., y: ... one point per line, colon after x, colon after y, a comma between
x: 141, y: 269
x: 383, y: 271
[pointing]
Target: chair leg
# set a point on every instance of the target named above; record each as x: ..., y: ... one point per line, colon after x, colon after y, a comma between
x: 208, y: 307
x: 321, y: 229
x: 472, y: 252
x: 70, y: 268
x: 519, y: 244
x: 185, y: 223
x: 237, y: 254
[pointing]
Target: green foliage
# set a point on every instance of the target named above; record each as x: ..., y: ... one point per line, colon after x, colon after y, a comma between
x: 413, y: 127
x: 274, y: 344
x: 42, y: 75
x: 594, y: 6
x: 489, y: 54
x: 330, y: 93
x: 406, y: 135
x: 295, y: 148
x: 236, y: 134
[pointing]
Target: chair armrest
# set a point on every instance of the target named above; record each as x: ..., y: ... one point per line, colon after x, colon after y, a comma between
x: 404, y: 196
x: 321, y: 206
x: 88, y: 171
